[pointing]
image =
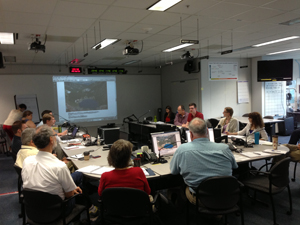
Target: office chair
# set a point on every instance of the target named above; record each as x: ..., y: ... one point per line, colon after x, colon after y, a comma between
x: 220, y: 195
x: 268, y: 117
x: 20, y: 183
x: 213, y: 122
x: 44, y: 208
x: 246, y: 115
x: 241, y: 126
x: 127, y: 206
x: 295, y: 167
x: 3, y: 141
x: 271, y: 183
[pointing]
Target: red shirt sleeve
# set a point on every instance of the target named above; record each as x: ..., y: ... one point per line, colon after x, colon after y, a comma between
x: 146, y: 184
x: 101, y: 184
x: 189, y: 117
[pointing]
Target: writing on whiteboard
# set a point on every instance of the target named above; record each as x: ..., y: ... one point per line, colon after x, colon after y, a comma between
x: 223, y: 71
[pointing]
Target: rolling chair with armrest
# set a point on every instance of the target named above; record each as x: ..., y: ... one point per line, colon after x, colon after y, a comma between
x: 127, y: 206
x: 246, y: 115
x: 220, y: 195
x: 3, y: 141
x: 44, y: 208
x: 271, y: 183
x: 20, y: 183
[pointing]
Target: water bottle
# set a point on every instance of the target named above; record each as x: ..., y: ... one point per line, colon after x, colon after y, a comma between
x: 256, y: 136
x: 155, y: 119
x: 98, y: 140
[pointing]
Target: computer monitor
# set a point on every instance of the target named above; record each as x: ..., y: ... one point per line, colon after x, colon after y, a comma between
x: 165, y: 143
x: 210, y: 134
x: 110, y: 135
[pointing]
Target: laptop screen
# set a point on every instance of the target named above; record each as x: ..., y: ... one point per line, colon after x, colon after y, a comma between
x: 75, y: 129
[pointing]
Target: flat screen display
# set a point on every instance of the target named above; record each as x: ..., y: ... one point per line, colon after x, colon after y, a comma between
x: 275, y: 70
x: 165, y: 143
x: 210, y: 134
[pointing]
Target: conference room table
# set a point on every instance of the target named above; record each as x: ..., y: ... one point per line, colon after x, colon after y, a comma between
x: 162, y: 178
x: 269, y: 124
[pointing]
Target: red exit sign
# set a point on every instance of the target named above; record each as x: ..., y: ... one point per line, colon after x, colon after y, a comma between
x: 75, y: 69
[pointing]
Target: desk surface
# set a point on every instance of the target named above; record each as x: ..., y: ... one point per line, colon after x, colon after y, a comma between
x: 159, y: 169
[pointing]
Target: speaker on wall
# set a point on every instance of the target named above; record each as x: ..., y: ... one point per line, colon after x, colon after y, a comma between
x: 1, y: 60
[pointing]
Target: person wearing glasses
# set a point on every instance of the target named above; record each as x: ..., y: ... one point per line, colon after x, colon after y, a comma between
x: 228, y: 123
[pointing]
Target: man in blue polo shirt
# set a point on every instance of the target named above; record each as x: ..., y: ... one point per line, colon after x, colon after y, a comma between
x: 200, y: 159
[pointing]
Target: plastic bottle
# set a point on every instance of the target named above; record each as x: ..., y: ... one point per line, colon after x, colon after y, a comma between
x: 155, y: 119
x: 256, y: 137
x: 98, y: 140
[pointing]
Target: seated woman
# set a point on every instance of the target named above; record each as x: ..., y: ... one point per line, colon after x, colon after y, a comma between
x: 122, y: 175
x: 255, y: 124
x: 27, y: 117
x: 228, y: 124
x: 169, y: 115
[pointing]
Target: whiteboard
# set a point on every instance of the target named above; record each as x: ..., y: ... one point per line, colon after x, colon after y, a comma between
x: 31, y: 102
x: 275, y: 98
x: 223, y: 71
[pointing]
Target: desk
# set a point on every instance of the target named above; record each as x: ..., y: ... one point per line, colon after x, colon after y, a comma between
x: 268, y: 122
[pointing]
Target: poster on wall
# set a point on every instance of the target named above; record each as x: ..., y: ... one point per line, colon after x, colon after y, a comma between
x: 222, y: 71
x: 243, y: 92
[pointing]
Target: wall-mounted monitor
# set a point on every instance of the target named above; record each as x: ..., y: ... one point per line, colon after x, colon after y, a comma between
x: 275, y: 70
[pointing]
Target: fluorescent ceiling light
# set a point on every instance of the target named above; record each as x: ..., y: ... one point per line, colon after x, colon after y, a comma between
x: 130, y: 62
x: 291, y: 50
x: 105, y: 43
x: 177, y: 47
x: 7, y: 38
x: 276, y: 41
x: 163, y: 5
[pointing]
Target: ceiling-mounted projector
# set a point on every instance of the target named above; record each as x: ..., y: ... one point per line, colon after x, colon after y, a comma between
x: 130, y: 51
x: 36, y: 45
x: 187, y: 55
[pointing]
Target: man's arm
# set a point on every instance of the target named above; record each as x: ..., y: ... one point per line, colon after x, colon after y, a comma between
x: 63, y: 133
x: 176, y: 120
x: 74, y: 192
x: 174, y: 165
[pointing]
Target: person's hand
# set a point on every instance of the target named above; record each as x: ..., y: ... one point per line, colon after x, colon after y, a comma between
x: 65, y: 160
x: 228, y: 133
x: 298, y: 146
x: 54, y: 154
x: 65, y: 132
x: 77, y: 190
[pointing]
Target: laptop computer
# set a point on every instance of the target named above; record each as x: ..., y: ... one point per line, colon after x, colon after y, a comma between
x: 69, y: 137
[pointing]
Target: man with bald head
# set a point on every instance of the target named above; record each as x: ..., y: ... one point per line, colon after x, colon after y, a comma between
x: 200, y: 159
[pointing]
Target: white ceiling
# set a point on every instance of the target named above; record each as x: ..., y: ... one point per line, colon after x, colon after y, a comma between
x: 222, y: 23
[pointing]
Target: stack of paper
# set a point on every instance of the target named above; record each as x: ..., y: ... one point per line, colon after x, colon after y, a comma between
x: 254, y: 154
x: 99, y: 170
x: 275, y: 151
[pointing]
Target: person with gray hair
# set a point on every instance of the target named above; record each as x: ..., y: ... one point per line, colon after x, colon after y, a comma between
x: 28, y: 148
x: 200, y: 159
x: 45, y: 172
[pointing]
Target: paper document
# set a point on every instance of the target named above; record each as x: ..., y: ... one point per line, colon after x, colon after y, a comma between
x: 237, y: 136
x: 72, y: 140
x: 254, y: 154
x: 101, y: 170
x: 74, y: 147
x: 275, y: 151
x: 78, y: 156
x: 88, y: 169
x: 261, y: 142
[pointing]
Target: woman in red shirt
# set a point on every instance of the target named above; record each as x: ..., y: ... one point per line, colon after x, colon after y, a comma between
x: 169, y: 115
x: 123, y: 175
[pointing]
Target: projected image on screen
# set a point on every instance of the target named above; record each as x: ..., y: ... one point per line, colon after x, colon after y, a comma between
x: 86, y: 96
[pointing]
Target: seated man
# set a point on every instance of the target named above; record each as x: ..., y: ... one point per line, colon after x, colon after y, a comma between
x: 43, y: 113
x: 28, y: 148
x: 193, y: 114
x: 181, y: 117
x: 49, y: 120
x: 17, y: 129
x: 200, y: 159
x: 44, y: 172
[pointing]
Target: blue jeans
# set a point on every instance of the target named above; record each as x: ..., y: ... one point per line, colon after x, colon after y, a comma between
x: 77, y: 178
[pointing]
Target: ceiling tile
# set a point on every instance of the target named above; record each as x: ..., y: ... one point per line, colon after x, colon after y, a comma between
x: 138, y: 4
x: 225, y: 10
x: 80, y: 10
x: 146, y: 28
x: 284, y: 5
x: 192, y: 6
x: 65, y: 31
x: 32, y: 6
x: 250, y: 2
x: 18, y: 28
x: 260, y: 15
x: 72, y: 22
x: 163, y: 18
x: 124, y: 15
x: 104, y: 2
x: 26, y: 18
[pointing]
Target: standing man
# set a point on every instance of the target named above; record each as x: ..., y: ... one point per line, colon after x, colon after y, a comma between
x: 14, y: 115
x: 200, y: 159
x: 16, y: 143
x: 193, y: 114
x: 181, y: 117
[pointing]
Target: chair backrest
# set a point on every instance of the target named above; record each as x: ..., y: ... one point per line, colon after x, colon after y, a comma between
x: 219, y: 193
x: 42, y: 207
x: 279, y: 173
x: 214, y: 122
x: 241, y: 126
x: 18, y: 170
x: 126, y: 206
x: 246, y: 115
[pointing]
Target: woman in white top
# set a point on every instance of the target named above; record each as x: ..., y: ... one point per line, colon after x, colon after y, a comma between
x: 255, y: 124
x: 14, y: 115
x: 228, y: 124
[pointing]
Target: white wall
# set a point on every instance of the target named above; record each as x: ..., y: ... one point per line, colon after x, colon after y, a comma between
x: 257, y: 89
x: 136, y: 93
x: 213, y: 95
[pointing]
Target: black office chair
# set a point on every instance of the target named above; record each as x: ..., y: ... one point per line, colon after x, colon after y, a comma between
x: 246, y: 115
x: 127, y: 206
x: 20, y: 181
x: 213, y: 122
x: 44, y: 208
x: 268, y: 117
x: 241, y: 126
x: 272, y: 182
x: 219, y: 196
x: 3, y: 141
